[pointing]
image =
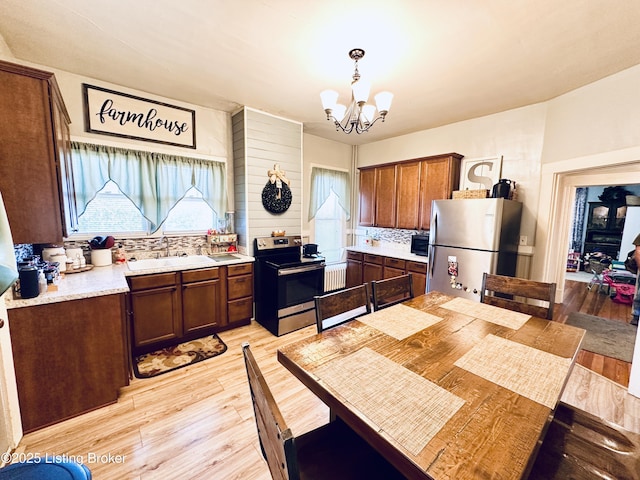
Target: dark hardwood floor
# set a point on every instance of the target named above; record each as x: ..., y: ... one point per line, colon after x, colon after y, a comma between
x: 577, y: 298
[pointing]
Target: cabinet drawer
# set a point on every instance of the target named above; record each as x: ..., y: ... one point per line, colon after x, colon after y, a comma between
x: 394, y: 263
x: 240, y: 269
x: 354, y: 256
x: 239, y: 287
x: 142, y: 282
x: 240, y: 309
x: 418, y: 267
x: 377, y: 259
x: 200, y: 275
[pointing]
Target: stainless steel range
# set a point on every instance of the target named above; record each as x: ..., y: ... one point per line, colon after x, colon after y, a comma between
x: 285, y: 284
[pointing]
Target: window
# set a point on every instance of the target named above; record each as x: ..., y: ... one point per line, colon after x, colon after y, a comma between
x: 330, y: 229
x: 124, y: 191
x: 111, y: 211
x: 329, y: 211
x: 190, y: 213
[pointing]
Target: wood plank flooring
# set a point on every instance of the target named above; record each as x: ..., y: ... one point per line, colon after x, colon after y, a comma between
x: 197, y: 422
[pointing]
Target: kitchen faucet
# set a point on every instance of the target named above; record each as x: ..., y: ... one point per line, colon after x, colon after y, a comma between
x: 162, y: 239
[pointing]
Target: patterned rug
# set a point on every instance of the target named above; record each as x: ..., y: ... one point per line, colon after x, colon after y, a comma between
x: 182, y: 355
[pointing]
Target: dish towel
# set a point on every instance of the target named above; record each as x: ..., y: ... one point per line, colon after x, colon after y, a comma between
x: 8, y: 267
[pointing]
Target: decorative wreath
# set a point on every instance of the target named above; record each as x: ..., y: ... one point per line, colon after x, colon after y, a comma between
x: 276, y: 194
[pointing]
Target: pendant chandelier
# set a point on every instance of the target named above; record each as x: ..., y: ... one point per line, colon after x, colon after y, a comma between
x: 359, y: 116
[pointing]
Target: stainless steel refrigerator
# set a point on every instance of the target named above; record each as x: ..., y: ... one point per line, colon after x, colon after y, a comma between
x: 469, y: 237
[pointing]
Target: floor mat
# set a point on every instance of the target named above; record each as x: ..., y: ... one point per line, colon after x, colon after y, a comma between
x: 171, y: 358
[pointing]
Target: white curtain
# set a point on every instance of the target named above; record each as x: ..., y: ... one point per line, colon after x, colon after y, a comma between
x: 154, y: 182
x: 323, y: 181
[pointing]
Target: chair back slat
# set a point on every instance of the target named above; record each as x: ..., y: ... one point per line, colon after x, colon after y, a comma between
x: 391, y: 291
x: 338, y: 307
x: 276, y: 439
x: 500, y: 290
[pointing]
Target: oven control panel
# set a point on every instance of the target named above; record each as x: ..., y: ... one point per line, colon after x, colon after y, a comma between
x: 268, y: 243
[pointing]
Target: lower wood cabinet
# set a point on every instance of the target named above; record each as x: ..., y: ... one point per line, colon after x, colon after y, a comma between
x: 393, y: 267
x: 354, y: 269
x: 202, y: 302
x: 70, y: 357
x: 169, y: 308
x: 155, y: 306
x: 363, y: 268
x: 239, y: 294
x: 372, y: 268
x: 418, y: 272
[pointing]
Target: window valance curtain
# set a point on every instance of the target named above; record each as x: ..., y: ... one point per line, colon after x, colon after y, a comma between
x: 323, y: 181
x: 154, y: 182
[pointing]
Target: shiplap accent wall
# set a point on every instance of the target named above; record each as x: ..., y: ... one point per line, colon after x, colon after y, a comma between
x: 261, y: 141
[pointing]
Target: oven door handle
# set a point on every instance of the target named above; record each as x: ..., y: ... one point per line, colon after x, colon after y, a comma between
x: 293, y: 270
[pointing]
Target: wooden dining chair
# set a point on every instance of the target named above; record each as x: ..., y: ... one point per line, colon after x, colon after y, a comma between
x: 339, y: 307
x: 515, y: 293
x: 580, y: 445
x: 391, y: 291
x: 332, y: 451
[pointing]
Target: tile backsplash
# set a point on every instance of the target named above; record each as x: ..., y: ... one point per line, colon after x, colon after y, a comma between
x: 139, y: 248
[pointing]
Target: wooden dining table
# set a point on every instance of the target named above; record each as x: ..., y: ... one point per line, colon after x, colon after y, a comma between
x: 442, y: 386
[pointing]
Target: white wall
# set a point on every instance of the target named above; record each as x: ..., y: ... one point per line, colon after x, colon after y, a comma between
x: 601, y: 117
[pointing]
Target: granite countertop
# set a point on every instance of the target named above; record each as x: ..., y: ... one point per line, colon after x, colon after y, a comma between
x: 108, y: 280
x: 394, y: 252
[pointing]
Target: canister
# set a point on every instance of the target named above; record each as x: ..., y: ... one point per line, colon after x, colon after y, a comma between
x: 101, y: 257
x: 28, y: 276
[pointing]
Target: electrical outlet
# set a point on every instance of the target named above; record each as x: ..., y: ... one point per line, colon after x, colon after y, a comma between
x: 523, y: 240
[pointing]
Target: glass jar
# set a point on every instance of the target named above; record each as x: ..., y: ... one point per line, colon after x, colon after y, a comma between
x: 229, y: 219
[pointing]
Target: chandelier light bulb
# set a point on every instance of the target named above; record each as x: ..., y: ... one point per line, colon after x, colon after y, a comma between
x: 329, y: 99
x: 360, y: 90
x: 368, y: 114
x: 358, y: 116
x: 383, y: 102
x: 339, y: 111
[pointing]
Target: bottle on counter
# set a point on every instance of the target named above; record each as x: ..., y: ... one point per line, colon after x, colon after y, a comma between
x: 42, y: 282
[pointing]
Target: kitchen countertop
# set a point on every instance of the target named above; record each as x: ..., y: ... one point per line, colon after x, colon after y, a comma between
x: 108, y: 280
x: 390, y: 252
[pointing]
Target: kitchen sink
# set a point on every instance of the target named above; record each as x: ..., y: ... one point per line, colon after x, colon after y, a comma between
x: 151, y: 263
x: 225, y: 257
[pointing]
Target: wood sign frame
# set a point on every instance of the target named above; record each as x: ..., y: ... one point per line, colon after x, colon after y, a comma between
x: 108, y: 112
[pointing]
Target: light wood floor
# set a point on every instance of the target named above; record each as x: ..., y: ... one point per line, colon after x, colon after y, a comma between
x: 197, y: 422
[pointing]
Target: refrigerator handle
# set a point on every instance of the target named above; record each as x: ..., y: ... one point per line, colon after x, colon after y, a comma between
x: 432, y: 237
x: 431, y: 258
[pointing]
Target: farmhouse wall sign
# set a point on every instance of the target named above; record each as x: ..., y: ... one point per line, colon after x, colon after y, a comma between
x: 114, y: 113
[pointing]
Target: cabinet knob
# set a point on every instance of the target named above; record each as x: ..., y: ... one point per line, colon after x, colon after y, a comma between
x: 1, y: 323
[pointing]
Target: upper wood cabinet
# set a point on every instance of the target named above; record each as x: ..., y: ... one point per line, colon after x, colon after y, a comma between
x: 399, y: 195
x: 385, y: 198
x: 367, y: 197
x: 408, y: 195
x: 439, y: 177
x: 34, y: 140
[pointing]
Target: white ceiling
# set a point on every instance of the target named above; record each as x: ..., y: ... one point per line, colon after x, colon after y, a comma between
x: 445, y: 61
